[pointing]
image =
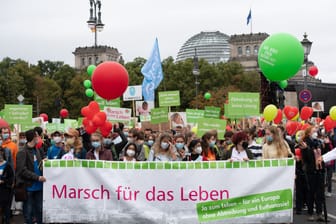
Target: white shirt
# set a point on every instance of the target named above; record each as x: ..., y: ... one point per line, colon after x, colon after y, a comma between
x: 329, y: 156
x: 238, y: 156
x: 69, y: 155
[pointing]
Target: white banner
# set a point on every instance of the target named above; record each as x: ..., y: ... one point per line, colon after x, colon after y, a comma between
x: 118, y: 114
x: 133, y: 93
x: 82, y: 191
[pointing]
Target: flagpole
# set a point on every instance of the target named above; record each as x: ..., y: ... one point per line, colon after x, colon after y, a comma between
x: 251, y: 24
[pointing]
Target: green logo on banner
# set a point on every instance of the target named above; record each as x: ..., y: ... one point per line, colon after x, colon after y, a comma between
x: 18, y: 114
x: 169, y: 98
x: 194, y: 115
x: 159, y: 115
x: 245, y: 206
x: 243, y: 104
x: 107, y: 103
x: 212, y: 112
x: 207, y: 124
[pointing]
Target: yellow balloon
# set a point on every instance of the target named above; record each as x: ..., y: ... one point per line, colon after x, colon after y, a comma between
x: 296, y: 117
x: 332, y: 113
x: 194, y: 129
x: 270, y: 112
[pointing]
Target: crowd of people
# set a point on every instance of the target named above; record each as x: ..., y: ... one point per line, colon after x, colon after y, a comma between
x: 21, y: 159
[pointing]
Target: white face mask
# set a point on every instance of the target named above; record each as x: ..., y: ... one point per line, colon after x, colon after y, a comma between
x: 130, y: 152
x: 57, y: 139
x: 314, y: 135
x: 198, y: 150
x: 130, y: 140
x: 117, y: 140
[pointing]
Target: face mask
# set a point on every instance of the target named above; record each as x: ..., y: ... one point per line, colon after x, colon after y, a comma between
x: 245, y: 145
x: 314, y: 135
x: 228, y: 142
x: 117, y: 140
x: 150, y: 142
x: 70, y: 141
x: 95, y: 144
x: 5, y: 136
x: 130, y: 140
x: 212, y: 144
x: 22, y: 141
x: 269, y: 138
x: 130, y: 152
x: 198, y: 150
x: 107, y: 141
x: 126, y: 134
x: 57, y: 139
x: 164, y: 145
x: 179, y: 145
x: 298, y: 139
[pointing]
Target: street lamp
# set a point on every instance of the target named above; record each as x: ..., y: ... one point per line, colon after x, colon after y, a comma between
x: 95, y: 24
x: 306, y: 44
x: 196, y: 73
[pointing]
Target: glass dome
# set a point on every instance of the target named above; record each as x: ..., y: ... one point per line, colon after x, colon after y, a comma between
x: 211, y: 46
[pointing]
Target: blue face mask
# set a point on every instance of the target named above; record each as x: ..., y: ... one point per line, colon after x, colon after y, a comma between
x: 107, y: 141
x: 212, y: 144
x: 95, y: 144
x: 150, y: 142
x: 126, y: 134
x: 269, y: 138
x: 179, y: 145
x: 164, y: 145
x: 5, y: 136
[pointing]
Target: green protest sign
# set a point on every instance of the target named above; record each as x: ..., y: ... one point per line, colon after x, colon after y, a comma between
x: 106, y: 103
x: 80, y: 121
x: 18, y: 114
x: 28, y: 126
x: 194, y: 115
x: 169, y: 98
x: 207, y: 124
x: 212, y: 112
x: 70, y: 123
x: 52, y: 127
x: 159, y: 115
x: 243, y: 104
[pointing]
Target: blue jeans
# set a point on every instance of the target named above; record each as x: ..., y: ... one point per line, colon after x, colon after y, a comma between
x: 32, y: 207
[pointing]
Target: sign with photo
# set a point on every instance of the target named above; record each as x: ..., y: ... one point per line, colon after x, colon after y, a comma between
x: 143, y: 108
x: 178, y: 119
x: 318, y: 106
x: 133, y: 93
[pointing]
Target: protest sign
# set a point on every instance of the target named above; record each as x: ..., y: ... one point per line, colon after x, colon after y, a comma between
x: 133, y: 93
x: 208, y: 124
x: 159, y: 115
x: 17, y: 113
x: 193, y: 115
x: 118, y: 114
x: 107, y: 103
x: 169, y: 98
x: 243, y: 104
x: 212, y: 112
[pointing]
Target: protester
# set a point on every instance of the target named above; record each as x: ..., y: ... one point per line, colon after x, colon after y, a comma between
x: 98, y: 152
x: 275, y: 147
x: 208, y: 143
x: 73, y: 148
x: 22, y: 140
x: 239, y: 151
x: 43, y: 142
x: 314, y: 171
x: 149, y: 142
x: 130, y: 153
x: 163, y: 149
x: 195, y: 149
x: 137, y: 137
x: 181, y: 148
x: 29, y: 174
x: 9, y: 144
x: 56, y: 148
x: 255, y: 148
x: 6, y: 186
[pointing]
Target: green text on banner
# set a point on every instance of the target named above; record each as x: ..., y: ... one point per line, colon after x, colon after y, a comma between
x: 159, y: 115
x: 243, y: 104
x: 18, y: 114
x: 169, y: 98
x: 107, y: 103
x: 207, y: 124
x: 193, y: 115
x: 211, y: 112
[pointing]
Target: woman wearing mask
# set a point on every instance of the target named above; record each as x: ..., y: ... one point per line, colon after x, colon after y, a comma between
x: 130, y: 153
x: 54, y: 151
x: 314, y: 171
x: 149, y: 142
x: 180, y: 146
x: 196, y: 150
x: 98, y: 152
x: 163, y: 150
x: 239, y: 151
x: 275, y: 147
x: 6, y: 182
x: 208, y: 143
x: 73, y: 148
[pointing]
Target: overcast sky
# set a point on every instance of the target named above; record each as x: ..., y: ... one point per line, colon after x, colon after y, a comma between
x: 52, y: 29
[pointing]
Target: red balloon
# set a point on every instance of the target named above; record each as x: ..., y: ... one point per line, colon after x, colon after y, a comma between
x: 290, y: 112
x: 292, y: 127
x: 3, y: 123
x: 328, y: 123
x: 85, y: 111
x: 44, y: 116
x: 305, y: 126
x: 90, y: 128
x: 110, y: 80
x: 298, y: 152
x: 64, y: 113
x: 306, y: 112
x: 278, y: 117
x: 94, y: 107
x: 106, y: 127
x: 313, y: 71
x: 99, y: 119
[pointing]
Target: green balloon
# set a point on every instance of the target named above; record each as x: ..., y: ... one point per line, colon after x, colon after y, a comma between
x: 283, y: 84
x: 89, y: 92
x: 90, y: 69
x: 87, y: 83
x: 280, y: 56
x: 207, y: 96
